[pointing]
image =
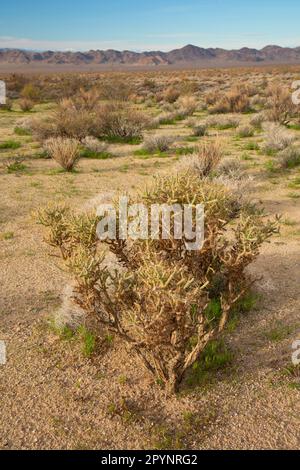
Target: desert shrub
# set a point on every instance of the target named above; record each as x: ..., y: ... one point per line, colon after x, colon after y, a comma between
x: 157, y: 303
x: 159, y: 143
x: 187, y: 105
x: 230, y: 174
x: 257, y: 120
x: 245, y: 131
x: 86, y: 100
x: 167, y: 118
x: 203, y: 160
x: 94, y: 145
x: 30, y: 92
x: 289, y: 157
x: 26, y: 104
x: 277, y: 137
x: 115, y: 90
x: 258, y: 100
x: 16, y: 83
x: 72, y: 119
x: 13, y: 165
x: 212, y: 97
x: 235, y: 101
x: 279, y: 105
x: 222, y: 122
x: 120, y: 123
x: 171, y: 95
x: 149, y: 84
x: 200, y: 130
x: 64, y: 151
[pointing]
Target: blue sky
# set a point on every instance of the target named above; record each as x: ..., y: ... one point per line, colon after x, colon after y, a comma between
x: 148, y: 25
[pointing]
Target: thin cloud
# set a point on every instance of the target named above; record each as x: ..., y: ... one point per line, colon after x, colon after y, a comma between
x: 32, y: 44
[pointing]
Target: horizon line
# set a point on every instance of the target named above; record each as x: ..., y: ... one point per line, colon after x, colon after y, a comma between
x: 142, y: 51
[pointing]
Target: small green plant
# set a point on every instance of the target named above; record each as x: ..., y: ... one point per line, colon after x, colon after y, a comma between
x: 10, y: 144
x: 88, y: 341
x: 7, y: 235
x: 215, y: 357
x: 278, y: 332
x: 113, y: 139
x: 93, y: 155
x: 14, y: 165
x: 185, y: 151
x: 295, y: 183
x: 164, y: 438
x: 251, y: 146
x: 123, y: 379
x: 21, y: 131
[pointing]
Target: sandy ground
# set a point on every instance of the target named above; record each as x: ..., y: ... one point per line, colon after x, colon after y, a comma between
x: 51, y: 397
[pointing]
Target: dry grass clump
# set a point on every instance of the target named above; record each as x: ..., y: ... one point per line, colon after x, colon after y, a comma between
x: 212, y: 97
x: 159, y: 301
x: 94, y: 145
x: 159, y: 143
x: 187, y: 105
x: 277, y: 137
x: 245, y: 131
x: 200, y: 130
x: 289, y: 157
x: 64, y: 151
x: 257, y: 120
x: 223, y: 122
x: 171, y: 95
x: 230, y: 173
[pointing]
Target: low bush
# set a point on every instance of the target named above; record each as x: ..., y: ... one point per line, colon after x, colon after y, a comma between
x: 245, y: 131
x: 200, y: 131
x: 222, y: 122
x: 289, y: 157
x: 64, y: 151
x: 277, y: 137
x: 26, y: 105
x: 159, y: 143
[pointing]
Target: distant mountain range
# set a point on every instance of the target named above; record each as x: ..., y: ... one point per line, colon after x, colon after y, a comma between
x: 188, y: 55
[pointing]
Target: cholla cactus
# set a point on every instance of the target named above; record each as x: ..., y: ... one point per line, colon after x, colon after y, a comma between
x: 157, y: 298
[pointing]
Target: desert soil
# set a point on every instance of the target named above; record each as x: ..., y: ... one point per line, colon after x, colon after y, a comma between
x: 52, y: 397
